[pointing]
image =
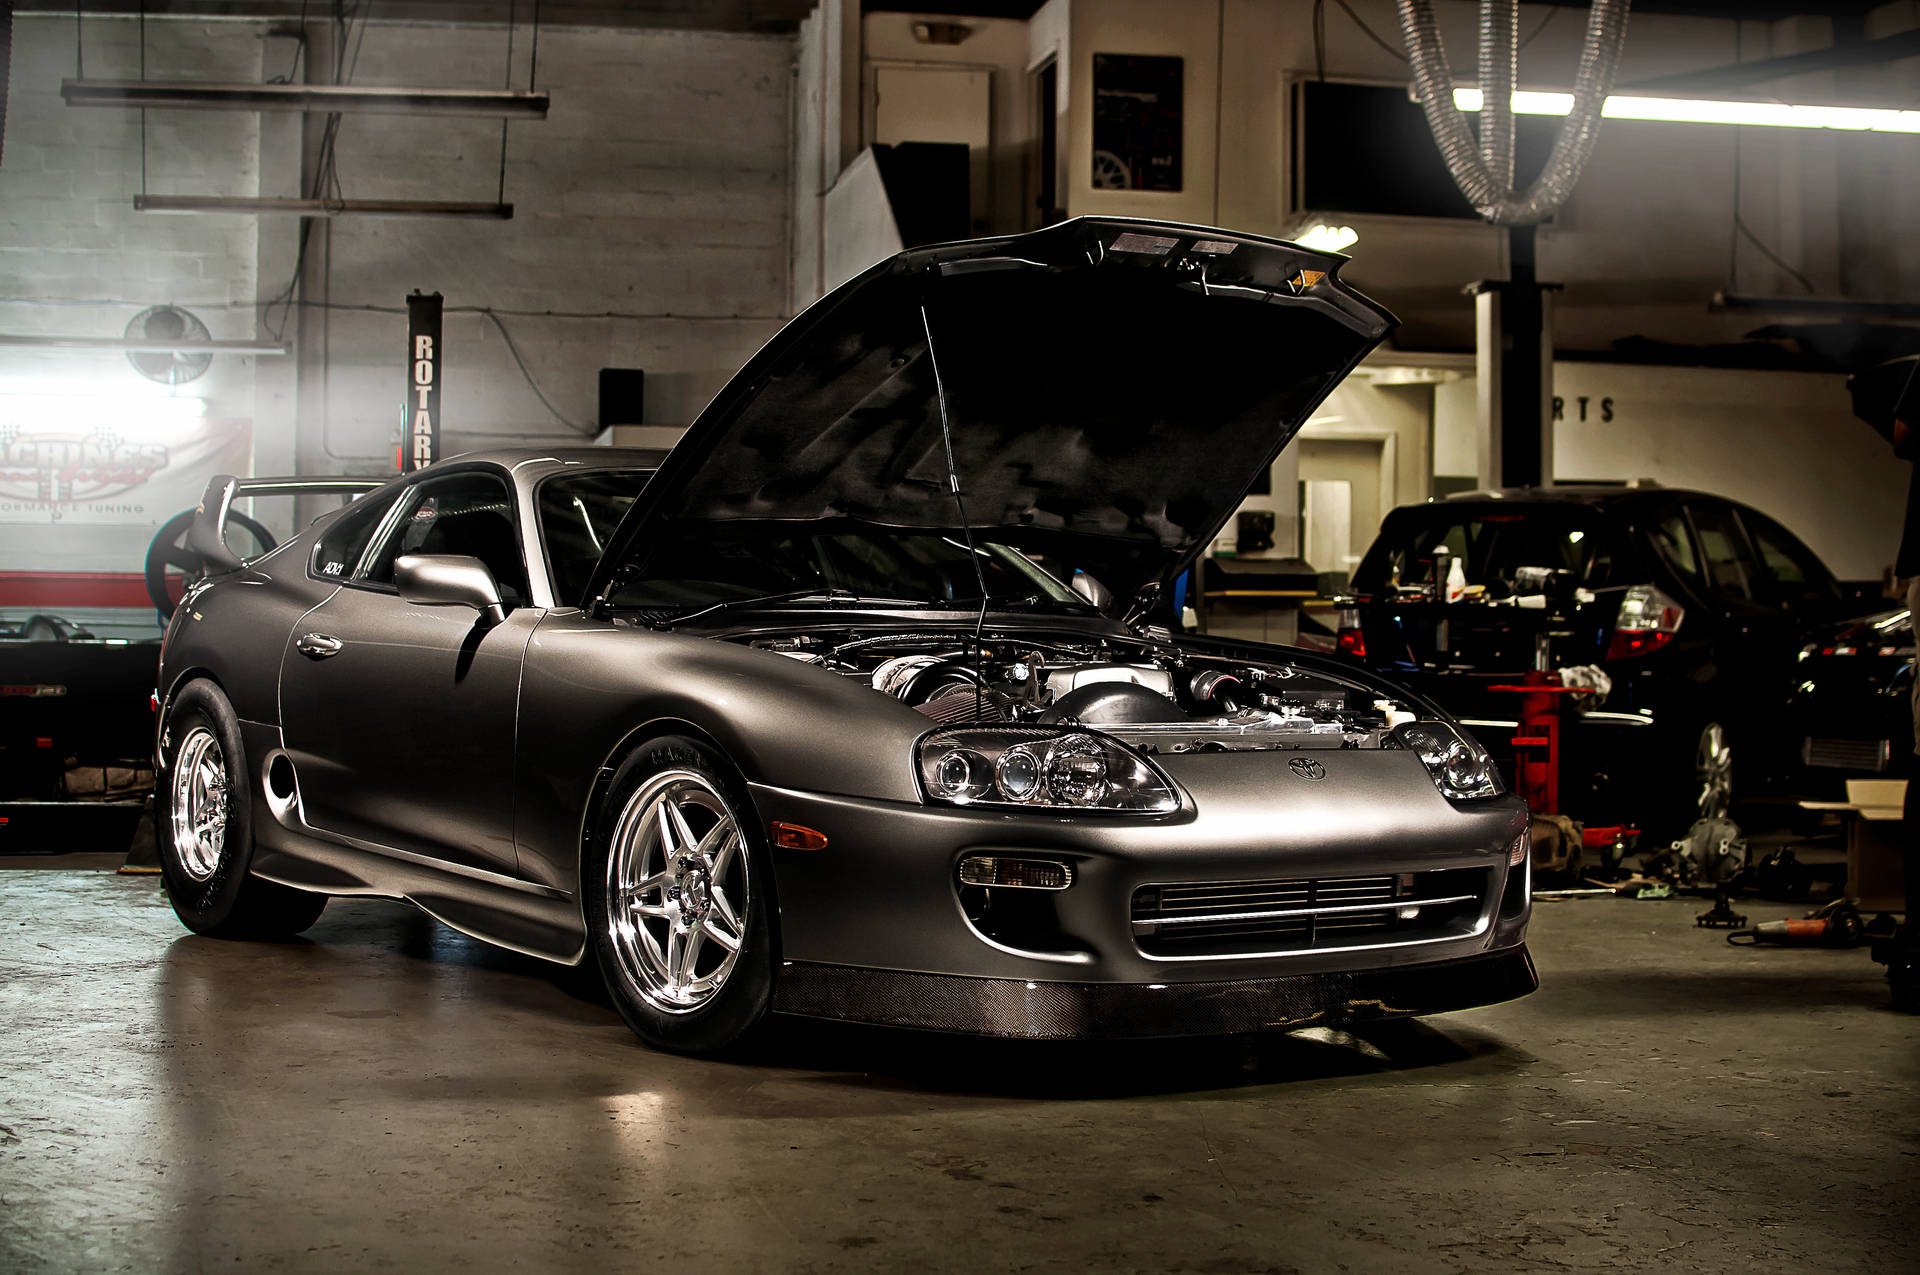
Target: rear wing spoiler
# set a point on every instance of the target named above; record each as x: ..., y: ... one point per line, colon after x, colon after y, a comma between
x: 207, y: 537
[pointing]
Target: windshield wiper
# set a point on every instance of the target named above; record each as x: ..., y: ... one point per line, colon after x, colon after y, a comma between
x: 792, y: 595
x: 1029, y: 602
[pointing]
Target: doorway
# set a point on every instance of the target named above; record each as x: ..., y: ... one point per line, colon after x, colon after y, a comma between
x: 1346, y: 489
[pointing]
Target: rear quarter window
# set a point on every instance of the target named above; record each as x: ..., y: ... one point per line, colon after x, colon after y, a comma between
x: 338, y: 550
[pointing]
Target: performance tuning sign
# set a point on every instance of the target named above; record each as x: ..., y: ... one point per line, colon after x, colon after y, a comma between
x: 421, y: 445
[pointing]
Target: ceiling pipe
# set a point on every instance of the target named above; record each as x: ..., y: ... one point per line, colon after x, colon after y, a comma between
x: 128, y: 345
x: 1476, y: 168
x: 321, y: 207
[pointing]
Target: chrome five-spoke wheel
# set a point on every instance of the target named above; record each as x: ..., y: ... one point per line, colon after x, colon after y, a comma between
x: 678, y: 895
x: 197, y: 803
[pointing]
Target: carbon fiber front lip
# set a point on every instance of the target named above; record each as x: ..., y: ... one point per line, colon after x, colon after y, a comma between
x: 1060, y: 1011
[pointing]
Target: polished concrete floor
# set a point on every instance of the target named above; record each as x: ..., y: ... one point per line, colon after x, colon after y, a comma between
x: 392, y: 1096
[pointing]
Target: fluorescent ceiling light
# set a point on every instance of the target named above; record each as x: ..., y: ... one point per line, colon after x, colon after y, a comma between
x: 69, y: 411
x: 1687, y: 110
x: 311, y: 98
x: 1326, y: 238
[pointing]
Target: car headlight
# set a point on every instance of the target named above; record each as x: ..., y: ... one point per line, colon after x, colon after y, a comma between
x: 1460, y: 768
x: 1039, y: 768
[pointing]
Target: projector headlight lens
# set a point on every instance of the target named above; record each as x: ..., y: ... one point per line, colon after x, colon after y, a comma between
x: 1040, y: 768
x: 1460, y: 768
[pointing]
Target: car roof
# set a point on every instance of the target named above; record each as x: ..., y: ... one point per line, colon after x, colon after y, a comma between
x: 1592, y: 494
x: 1575, y: 493
x: 529, y: 465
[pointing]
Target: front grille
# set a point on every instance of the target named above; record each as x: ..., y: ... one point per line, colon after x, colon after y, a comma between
x: 1846, y: 754
x: 1304, y: 914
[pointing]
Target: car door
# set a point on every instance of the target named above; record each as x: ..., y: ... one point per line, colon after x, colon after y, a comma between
x: 1791, y: 579
x: 400, y: 718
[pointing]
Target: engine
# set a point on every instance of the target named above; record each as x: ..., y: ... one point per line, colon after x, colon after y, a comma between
x: 1154, y: 696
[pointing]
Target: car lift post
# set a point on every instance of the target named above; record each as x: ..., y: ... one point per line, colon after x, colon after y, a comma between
x: 1513, y: 367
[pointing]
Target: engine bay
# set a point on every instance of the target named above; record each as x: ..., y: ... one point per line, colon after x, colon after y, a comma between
x: 1151, y: 695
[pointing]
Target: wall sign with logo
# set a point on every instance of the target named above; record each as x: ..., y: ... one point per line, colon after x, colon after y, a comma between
x: 420, y: 446
x: 1136, y: 122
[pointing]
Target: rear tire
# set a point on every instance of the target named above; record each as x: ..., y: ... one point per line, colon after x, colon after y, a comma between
x: 203, y: 823
x: 678, y: 892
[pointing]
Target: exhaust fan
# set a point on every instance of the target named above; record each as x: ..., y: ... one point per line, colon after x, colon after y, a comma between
x: 164, y: 324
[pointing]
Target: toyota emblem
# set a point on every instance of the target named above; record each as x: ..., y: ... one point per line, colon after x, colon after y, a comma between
x: 1307, y: 768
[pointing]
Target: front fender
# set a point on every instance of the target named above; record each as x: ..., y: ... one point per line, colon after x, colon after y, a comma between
x: 590, y: 689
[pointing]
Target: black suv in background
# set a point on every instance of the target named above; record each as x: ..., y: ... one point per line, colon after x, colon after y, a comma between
x: 1695, y: 607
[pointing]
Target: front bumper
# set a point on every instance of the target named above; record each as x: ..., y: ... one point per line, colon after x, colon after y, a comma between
x: 1062, y: 1011
x: 883, y: 898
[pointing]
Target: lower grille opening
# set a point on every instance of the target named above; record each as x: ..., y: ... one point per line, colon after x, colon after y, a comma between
x: 1235, y: 918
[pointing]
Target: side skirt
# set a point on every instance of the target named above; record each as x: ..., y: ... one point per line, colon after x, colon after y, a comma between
x: 521, y: 916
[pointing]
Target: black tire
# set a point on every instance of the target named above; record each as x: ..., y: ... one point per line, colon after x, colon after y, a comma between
x: 661, y: 908
x: 203, y: 783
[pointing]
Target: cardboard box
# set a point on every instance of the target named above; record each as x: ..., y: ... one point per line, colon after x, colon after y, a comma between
x: 1876, y: 850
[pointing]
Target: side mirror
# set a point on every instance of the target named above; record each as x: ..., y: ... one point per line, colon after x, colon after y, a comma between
x: 1098, y: 595
x: 449, y: 579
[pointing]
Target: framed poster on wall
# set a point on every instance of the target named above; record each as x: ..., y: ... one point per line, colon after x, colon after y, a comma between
x: 1136, y: 122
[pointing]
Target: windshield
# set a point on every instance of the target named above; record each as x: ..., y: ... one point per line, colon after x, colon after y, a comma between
x: 578, y: 511
x: 693, y: 566
x: 1504, y: 551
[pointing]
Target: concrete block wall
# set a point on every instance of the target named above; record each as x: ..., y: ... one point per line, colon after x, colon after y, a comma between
x: 651, y: 230
x: 656, y: 190
x: 77, y: 260
x: 68, y: 232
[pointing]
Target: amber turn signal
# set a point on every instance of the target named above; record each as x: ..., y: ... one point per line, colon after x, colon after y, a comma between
x: 791, y: 836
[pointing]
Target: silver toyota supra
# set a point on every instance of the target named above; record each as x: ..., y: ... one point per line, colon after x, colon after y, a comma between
x: 867, y: 701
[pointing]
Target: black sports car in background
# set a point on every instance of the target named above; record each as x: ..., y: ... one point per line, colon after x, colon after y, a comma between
x: 1694, y: 606
x: 796, y: 723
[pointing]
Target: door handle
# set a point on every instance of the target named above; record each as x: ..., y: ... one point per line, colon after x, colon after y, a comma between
x: 318, y: 645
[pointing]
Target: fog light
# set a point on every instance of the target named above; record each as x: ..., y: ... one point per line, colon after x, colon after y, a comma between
x: 1019, y: 874
x: 1408, y: 914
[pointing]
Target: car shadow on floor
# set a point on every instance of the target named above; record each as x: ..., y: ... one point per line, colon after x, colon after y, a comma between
x: 866, y: 1057
x: 885, y: 1058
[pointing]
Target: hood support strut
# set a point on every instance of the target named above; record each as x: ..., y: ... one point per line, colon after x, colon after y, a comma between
x: 959, y: 504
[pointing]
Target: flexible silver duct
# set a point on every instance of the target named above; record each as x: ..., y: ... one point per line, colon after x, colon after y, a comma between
x: 1484, y: 172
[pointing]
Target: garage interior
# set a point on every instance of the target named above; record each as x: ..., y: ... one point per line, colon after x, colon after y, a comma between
x: 228, y: 223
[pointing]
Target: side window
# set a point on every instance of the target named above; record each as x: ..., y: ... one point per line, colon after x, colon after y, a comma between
x: 1789, y: 574
x: 338, y: 550
x: 1675, y: 543
x: 471, y: 514
x: 1723, y: 551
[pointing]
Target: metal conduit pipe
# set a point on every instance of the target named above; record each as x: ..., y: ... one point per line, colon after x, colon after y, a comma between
x: 1499, y: 61
x: 1484, y: 172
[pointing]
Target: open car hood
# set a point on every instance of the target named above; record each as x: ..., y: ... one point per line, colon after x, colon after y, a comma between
x: 1112, y: 388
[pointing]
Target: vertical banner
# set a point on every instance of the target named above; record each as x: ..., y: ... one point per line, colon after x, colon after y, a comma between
x: 420, y: 445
